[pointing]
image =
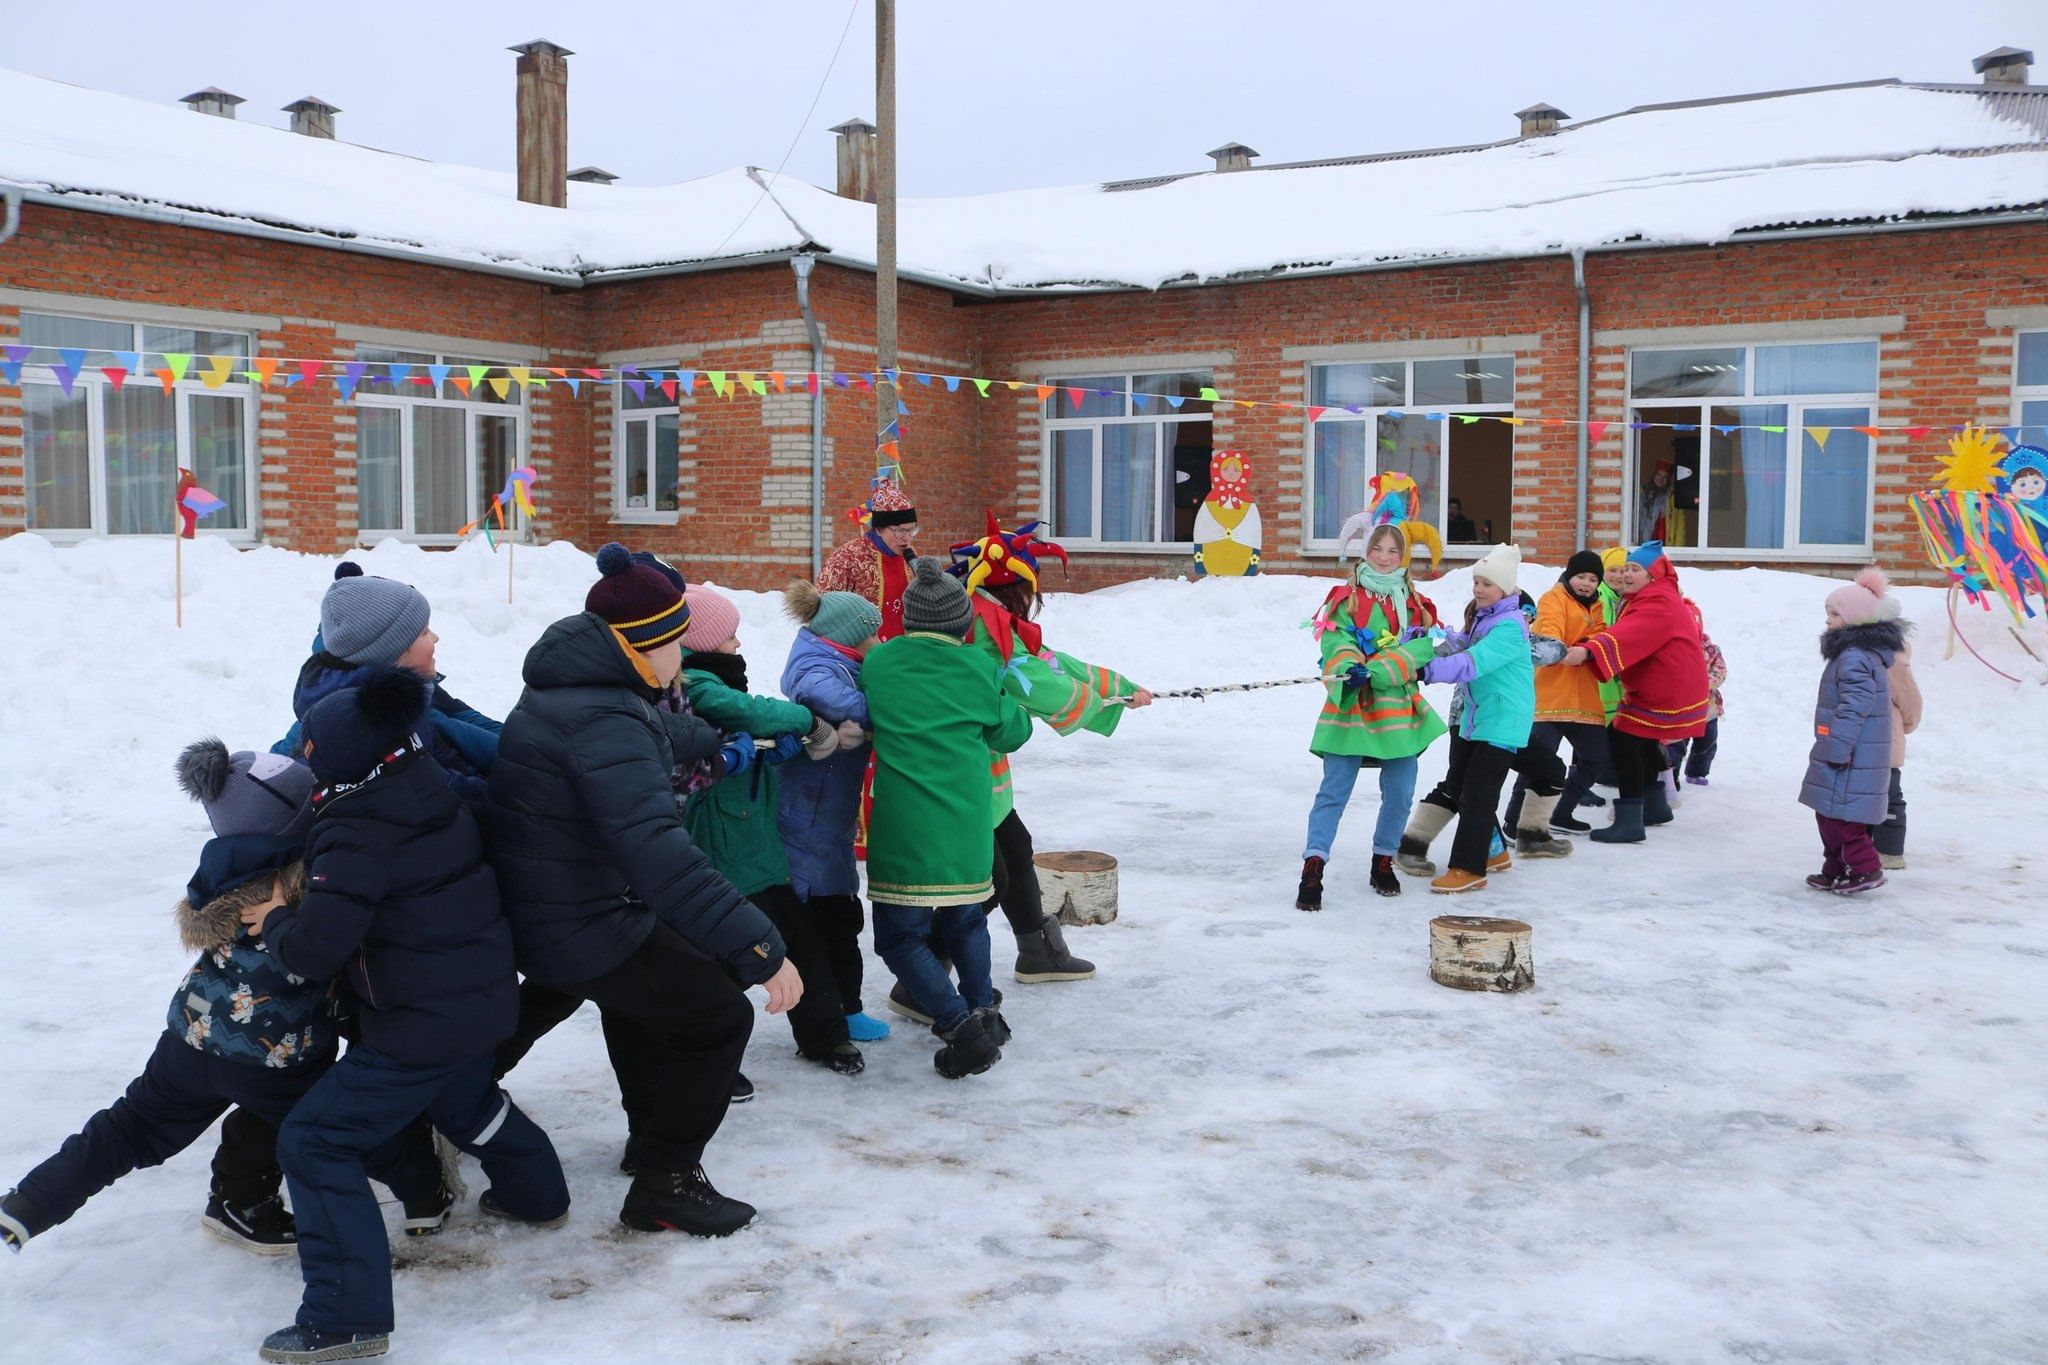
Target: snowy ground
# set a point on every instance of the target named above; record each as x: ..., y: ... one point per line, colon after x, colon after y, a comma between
x: 1735, y: 1120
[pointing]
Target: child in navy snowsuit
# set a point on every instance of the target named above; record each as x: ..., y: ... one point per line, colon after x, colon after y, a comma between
x: 399, y: 898
x: 242, y: 1030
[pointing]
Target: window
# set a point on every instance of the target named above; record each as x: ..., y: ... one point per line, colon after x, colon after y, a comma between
x: 645, y: 450
x: 436, y: 437
x: 1407, y: 416
x: 1128, y: 457
x: 2030, y: 392
x: 103, y: 458
x: 1745, y: 448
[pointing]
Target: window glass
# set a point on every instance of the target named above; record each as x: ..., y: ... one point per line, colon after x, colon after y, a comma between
x: 1178, y: 384
x: 59, y: 457
x: 160, y: 341
x: 1473, y: 379
x: 1413, y: 446
x: 378, y: 379
x: 1840, y: 367
x: 1669, y: 476
x: 2033, y: 361
x: 1130, y: 478
x: 379, y: 460
x: 1745, y: 488
x: 142, y: 460
x: 2034, y: 423
x: 1190, y: 445
x: 1342, y: 466
x: 497, y: 455
x: 1091, y: 402
x: 219, y: 429
x: 1359, y: 386
x: 1481, y: 459
x: 667, y: 461
x: 1834, y: 479
x: 439, y: 480
x: 1687, y: 373
x: 650, y: 395
x: 46, y: 333
x: 1073, y: 481
x: 637, y: 462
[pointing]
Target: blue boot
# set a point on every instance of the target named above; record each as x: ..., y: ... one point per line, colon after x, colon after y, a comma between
x: 1627, y: 827
x: 864, y: 1028
x: 306, y: 1344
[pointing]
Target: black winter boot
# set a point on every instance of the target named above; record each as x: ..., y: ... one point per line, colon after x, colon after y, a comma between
x: 993, y: 1023
x: 969, y: 1050
x: 301, y: 1345
x: 1309, y: 895
x: 844, y: 1058
x: 1043, y: 956
x: 1656, y: 802
x: 488, y: 1203
x: 424, y: 1217
x: 265, y: 1227
x: 1383, y: 879
x: 682, y: 1201
x: 1627, y: 827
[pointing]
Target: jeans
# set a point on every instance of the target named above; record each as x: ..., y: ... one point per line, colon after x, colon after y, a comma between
x: 1340, y: 774
x: 1696, y: 756
x: 1846, y: 848
x: 901, y: 934
x: 367, y: 1099
x: 1890, y: 837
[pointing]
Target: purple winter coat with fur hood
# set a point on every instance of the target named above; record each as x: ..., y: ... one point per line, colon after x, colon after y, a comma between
x: 1848, y: 773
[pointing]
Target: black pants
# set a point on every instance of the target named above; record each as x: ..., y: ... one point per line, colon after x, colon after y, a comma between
x: 541, y: 1008
x: 1471, y: 786
x: 1589, y: 756
x: 167, y: 1108
x: 1695, y: 756
x: 1016, y: 877
x: 676, y: 1027
x: 245, y: 1169
x: 1890, y: 837
x: 1637, y: 761
x: 839, y: 921
x: 819, y: 1019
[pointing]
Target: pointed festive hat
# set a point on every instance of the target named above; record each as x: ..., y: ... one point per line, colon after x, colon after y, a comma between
x: 1002, y: 557
x: 888, y: 505
x: 1393, y: 500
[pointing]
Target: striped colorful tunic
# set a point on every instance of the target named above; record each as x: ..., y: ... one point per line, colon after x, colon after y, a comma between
x: 1390, y: 718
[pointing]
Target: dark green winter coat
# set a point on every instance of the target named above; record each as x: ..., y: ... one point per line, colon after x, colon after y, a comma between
x: 733, y: 821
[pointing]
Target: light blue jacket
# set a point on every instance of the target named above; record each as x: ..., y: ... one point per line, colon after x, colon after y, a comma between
x: 1495, y: 676
x: 820, y: 802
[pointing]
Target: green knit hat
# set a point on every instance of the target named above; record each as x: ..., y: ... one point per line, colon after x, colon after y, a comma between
x: 844, y: 618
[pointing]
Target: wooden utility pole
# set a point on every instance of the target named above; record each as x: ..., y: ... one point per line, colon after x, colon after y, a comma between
x: 885, y: 217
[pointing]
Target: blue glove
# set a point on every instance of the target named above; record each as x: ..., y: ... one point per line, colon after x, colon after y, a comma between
x: 738, y: 753
x: 1358, y: 675
x: 786, y: 748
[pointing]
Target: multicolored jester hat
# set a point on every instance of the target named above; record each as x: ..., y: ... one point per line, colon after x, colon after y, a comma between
x: 1002, y: 557
x: 1393, y: 500
x: 1986, y: 521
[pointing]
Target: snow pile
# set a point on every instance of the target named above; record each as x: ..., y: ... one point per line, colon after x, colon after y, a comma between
x: 1735, y: 1120
x: 1692, y: 174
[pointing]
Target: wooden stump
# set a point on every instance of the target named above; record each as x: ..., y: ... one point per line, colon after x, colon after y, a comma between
x: 1474, y: 953
x: 1078, y: 887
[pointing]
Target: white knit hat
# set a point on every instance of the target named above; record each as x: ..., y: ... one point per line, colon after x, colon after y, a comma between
x: 1499, y: 566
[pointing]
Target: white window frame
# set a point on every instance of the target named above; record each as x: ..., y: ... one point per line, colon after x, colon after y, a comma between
x: 1369, y: 416
x: 91, y: 378
x: 2023, y: 394
x: 624, y: 417
x: 1796, y: 406
x: 474, y: 497
x: 1161, y: 414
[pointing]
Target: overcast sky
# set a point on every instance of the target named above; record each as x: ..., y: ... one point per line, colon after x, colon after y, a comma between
x: 995, y: 96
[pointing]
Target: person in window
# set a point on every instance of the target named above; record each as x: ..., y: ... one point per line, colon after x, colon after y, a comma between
x: 1459, y: 529
x: 1653, y: 504
x: 876, y: 563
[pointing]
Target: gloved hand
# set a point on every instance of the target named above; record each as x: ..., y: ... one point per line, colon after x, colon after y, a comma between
x: 737, y: 754
x: 786, y: 748
x: 1358, y: 675
x: 1429, y: 672
x: 851, y: 736
x: 1368, y: 644
x: 822, y: 741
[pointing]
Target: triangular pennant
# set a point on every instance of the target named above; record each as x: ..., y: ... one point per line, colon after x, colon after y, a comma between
x: 981, y: 387
x: 1315, y: 412
x: 218, y: 368
x: 1355, y: 410
x: 1174, y: 400
x: 74, y: 361
x: 686, y: 380
x: 309, y: 370
x: 1819, y: 436
x: 862, y: 382
x: 758, y: 385
x: 1045, y: 391
x: 1077, y: 396
x: 130, y: 361
x: 476, y: 373
x: 891, y: 449
x: 1467, y: 418
x: 1210, y: 396
x: 10, y: 368
x: 520, y: 374
x: 66, y: 377
x: 266, y: 370
x: 462, y: 384
x: 177, y: 364
x: 811, y: 382
x: 1685, y: 426
x: 716, y: 378
x: 1013, y: 384
x: 2011, y: 434
x: 500, y: 385
x: 629, y: 375
x: 399, y: 373
x: 668, y: 389
x: 1139, y: 400
x: 1512, y: 421
x: 1397, y: 414
x: 575, y: 385
x: 902, y: 408
x: 165, y: 378
x: 1872, y: 432
x: 1775, y: 431
x: 839, y: 381
x: 1595, y: 430
x: 115, y: 374
x: 952, y: 383
x: 922, y: 378
x: 439, y: 374
x: 1434, y: 416
x: 1918, y: 433
x: 1246, y: 403
x: 779, y: 380
x: 590, y: 373
x: 350, y: 376
x: 1726, y: 430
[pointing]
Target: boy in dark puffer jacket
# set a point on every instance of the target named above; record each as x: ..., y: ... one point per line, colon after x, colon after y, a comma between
x: 242, y: 1029
x: 398, y: 896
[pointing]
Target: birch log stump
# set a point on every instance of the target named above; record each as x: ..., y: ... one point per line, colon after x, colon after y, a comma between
x: 1473, y: 953
x: 1078, y: 887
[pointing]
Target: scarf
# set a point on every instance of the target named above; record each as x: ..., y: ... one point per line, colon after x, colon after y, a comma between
x: 730, y: 669
x: 1392, y: 586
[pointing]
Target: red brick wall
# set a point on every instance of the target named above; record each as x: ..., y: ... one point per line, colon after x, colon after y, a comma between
x: 745, y: 516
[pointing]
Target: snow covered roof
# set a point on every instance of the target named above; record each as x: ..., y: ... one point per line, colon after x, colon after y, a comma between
x: 1679, y: 174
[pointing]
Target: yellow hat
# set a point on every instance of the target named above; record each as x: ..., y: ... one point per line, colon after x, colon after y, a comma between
x: 1614, y: 558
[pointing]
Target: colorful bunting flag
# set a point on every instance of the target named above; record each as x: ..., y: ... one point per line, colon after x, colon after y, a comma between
x: 351, y: 375
x: 218, y: 370
x: 115, y: 375
x: 10, y: 368
x: 1819, y: 436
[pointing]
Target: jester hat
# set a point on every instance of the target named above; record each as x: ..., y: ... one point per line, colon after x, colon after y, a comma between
x: 1393, y: 500
x: 1003, y: 557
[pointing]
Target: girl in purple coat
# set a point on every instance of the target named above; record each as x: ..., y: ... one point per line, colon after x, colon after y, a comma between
x: 1848, y: 773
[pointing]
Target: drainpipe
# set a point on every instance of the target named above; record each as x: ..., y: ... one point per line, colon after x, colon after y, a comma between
x: 12, y: 222
x: 803, y: 265
x: 1585, y: 386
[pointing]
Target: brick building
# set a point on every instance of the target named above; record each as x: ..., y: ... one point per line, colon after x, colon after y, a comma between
x: 1699, y: 290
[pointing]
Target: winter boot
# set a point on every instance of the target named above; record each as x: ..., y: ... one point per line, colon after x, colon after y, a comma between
x: 1425, y: 824
x: 742, y: 1089
x: 1043, y: 956
x: 844, y: 1058
x: 993, y: 1023
x: 265, y: 1227
x: 1383, y: 879
x: 863, y: 1028
x: 1892, y: 862
x: 1533, y: 838
x: 1309, y: 895
x: 1593, y: 800
x: 682, y: 1201
x: 1822, y: 881
x: 19, y: 1220
x: 1457, y: 879
x: 424, y: 1217
x: 900, y: 1001
x: 1656, y: 803
x: 488, y: 1203
x: 1627, y: 827
x: 629, y: 1160
x: 1858, y: 882
x: 301, y: 1345
x: 969, y: 1050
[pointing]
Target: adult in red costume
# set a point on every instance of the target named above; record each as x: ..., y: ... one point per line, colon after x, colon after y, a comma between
x: 876, y: 563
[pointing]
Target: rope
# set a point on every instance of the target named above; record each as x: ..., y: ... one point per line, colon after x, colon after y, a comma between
x: 1204, y: 693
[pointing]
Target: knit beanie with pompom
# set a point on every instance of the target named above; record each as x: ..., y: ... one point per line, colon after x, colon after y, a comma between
x: 1865, y: 600
x: 935, y: 602
x: 639, y: 600
x: 844, y: 618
